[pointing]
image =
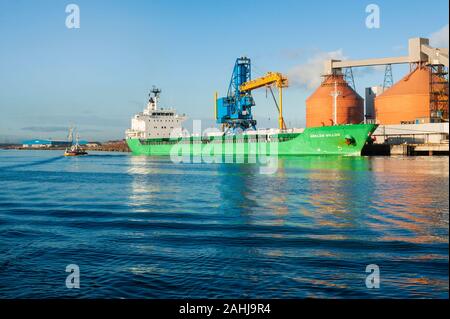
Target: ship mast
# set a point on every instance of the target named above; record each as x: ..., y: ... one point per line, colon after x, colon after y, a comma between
x: 153, y: 101
x: 70, y: 135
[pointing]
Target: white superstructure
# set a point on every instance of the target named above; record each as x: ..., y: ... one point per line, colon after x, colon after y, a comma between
x: 154, y: 122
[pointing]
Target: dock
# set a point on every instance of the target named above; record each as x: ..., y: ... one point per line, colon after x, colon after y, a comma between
x: 410, y: 140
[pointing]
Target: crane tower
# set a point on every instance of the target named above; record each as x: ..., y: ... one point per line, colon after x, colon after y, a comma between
x: 235, y: 110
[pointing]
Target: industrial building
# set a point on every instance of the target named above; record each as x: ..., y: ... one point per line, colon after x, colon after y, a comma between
x: 334, y: 92
x: 420, y: 97
x: 371, y: 94
x: 412, y: 110
x: 410, y: 100
x: 44, y: 143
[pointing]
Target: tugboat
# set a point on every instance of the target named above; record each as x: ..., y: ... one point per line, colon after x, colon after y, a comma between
x: 75, y: 149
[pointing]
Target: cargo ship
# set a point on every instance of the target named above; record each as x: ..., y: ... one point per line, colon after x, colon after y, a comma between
x: 159, y: 132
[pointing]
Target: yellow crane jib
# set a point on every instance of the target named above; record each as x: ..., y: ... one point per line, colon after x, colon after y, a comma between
x: 271, y: 78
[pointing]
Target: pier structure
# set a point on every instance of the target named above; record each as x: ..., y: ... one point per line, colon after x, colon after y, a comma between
x: 413, y: 139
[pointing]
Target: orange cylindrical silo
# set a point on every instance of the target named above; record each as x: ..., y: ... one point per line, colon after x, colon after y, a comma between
x: 408, y: 100
x: 320, y: 105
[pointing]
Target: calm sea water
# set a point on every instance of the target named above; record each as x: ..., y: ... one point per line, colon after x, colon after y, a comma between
x: 141, y: 227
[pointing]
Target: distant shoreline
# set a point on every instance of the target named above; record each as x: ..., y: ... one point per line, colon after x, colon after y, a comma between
x: 61, y: 149
x: 113, y: 146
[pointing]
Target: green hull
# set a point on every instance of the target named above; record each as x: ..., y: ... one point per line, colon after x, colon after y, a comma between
x: 326, y: 140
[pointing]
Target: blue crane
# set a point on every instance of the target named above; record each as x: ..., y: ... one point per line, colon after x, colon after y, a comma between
x: 235, y: 110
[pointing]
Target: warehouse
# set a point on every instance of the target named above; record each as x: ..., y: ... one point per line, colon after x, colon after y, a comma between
x: 38, y: 143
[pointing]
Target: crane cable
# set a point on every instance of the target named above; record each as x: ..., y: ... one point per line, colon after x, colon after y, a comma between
x: 258, y: 72
x: 276, y: 103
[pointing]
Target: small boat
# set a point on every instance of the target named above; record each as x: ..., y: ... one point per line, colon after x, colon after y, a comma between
x: 75, y: 149
x: 74, y: 152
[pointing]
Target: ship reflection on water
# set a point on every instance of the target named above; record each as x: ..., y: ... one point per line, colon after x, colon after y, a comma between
x: 327, y: 217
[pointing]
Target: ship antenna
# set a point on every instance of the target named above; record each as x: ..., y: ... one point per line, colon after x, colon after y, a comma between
x: 156, y: 92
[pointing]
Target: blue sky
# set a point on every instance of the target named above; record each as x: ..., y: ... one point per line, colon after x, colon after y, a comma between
x: 98, y: 76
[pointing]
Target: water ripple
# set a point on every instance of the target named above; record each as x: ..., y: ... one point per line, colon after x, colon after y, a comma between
x: 141, y: 227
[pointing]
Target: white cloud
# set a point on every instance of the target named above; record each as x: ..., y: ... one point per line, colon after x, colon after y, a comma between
x: 308, y: 75
x: 439, y: 39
